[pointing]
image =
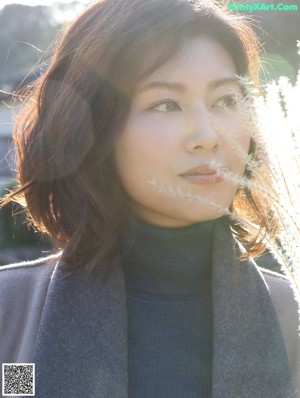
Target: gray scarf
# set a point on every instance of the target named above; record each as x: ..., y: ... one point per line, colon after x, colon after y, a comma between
x: 82, y: 341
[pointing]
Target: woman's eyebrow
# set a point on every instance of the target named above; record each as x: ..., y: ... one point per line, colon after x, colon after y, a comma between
x: 224, y: 80
x: 168, y: 85
x: 182, y: 88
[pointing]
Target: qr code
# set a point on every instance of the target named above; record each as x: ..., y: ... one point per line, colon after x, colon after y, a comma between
x: 18, y: 379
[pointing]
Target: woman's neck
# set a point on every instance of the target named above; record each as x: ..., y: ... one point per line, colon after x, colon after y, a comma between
x: 168, y: 261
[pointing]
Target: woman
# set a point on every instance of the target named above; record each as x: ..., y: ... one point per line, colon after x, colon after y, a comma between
x: 151, y: 295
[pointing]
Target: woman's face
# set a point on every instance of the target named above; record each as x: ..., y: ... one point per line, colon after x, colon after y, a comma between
x: 170, y: 138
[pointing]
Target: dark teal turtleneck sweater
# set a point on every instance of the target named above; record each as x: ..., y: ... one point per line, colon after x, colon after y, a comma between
x: 168, y: 281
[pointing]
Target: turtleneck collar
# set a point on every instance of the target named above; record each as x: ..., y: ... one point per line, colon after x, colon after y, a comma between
x: 168, y: 261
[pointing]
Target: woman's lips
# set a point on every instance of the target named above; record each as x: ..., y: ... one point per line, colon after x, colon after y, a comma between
x: 203, y: 175
x: 204, y: 178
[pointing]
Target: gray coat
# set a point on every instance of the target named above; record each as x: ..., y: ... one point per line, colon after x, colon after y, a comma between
x: 75, y: 328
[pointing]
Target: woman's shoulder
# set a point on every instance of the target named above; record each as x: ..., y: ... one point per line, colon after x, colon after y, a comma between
x: 29, y: 267
x: 26, y: 276
x: 23, y: 291
x: 287, y: 310
x: 283, y: 297
x: 280, y: 286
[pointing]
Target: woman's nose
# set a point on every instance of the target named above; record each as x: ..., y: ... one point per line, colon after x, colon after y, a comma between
x: 201, y: 135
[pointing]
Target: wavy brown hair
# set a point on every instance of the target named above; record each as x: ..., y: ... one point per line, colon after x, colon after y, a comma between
x: 65, y: 137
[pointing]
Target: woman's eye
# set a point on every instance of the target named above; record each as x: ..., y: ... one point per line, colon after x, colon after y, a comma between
x: 167, y: 106
x: 228, y: 101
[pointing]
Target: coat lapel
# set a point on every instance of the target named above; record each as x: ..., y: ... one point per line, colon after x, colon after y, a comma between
x: 82, y: 344
x: 249, y: 356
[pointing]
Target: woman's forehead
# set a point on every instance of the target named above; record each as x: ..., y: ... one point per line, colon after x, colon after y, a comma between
x: 201, y: 58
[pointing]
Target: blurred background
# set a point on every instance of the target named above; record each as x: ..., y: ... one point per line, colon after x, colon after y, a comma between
x: 27, y: 33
